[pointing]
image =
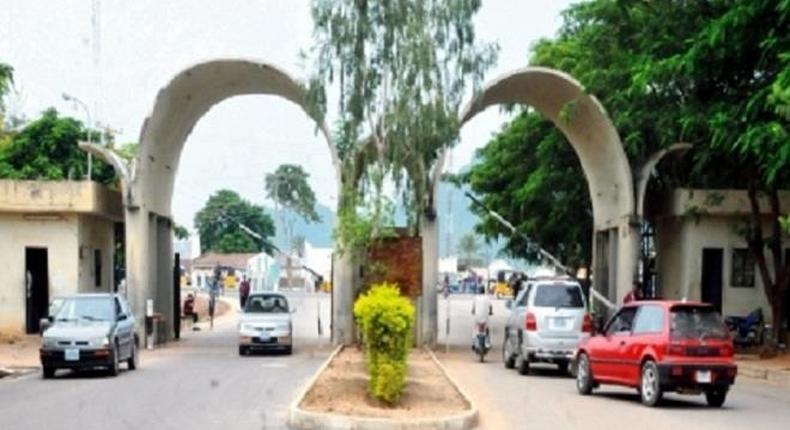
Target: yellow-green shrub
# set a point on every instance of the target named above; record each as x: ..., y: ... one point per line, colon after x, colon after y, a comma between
x: 385, y: 319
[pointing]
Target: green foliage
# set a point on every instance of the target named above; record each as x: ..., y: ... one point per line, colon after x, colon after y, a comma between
x: 180, y: 232
x: 288, y: 187
x: 468, y: 245
x: 385, y: 319
x: 47, y: 149
x: 362, y: 222
x: 531, y: 176
x: 218, y: 224
x: 6, y: 80
x: 401, y: 68
x: 713, y: 73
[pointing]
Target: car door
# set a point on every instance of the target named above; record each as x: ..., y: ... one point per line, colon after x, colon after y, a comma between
x: 609, y: 358
x: 122, y: 331
x: 515, y: 322
x: 647, y: 333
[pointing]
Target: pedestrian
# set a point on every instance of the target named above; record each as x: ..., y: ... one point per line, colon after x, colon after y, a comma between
x: 244, y: 292
x: 634, y: 294
x: 189, y: 308
x: 482, y: 311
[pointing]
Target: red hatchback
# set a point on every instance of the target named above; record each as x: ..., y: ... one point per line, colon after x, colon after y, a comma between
x: 658, y: 347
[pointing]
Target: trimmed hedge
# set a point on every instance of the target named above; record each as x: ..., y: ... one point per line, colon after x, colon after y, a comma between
x: 385, y: 320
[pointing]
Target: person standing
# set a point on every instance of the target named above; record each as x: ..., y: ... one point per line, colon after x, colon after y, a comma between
x: 244, y: 292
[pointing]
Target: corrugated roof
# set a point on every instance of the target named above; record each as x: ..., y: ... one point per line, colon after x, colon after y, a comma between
x: 213, y: 259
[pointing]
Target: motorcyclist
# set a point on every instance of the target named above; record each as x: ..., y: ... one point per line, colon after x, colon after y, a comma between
x: 482, y: 310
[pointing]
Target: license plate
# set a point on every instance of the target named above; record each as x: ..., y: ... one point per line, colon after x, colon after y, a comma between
x: 72, y: 355
x: 703, y: 376
x: 560, y: 323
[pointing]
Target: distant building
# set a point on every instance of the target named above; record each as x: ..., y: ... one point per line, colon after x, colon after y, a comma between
x: 230, y: 265
x: 701, y: 253
x: 58, y: 238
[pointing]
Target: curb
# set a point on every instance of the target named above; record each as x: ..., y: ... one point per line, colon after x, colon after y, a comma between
x: 308, y: 420
x: 775, y: 377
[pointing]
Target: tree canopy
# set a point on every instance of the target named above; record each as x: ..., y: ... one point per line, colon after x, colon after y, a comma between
x: 401, y: 68
x: 47, y: 149
x: 287, y: 187
x: 218, y: 224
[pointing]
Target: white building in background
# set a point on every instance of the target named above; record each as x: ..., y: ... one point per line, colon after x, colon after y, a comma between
x: 263, y: 272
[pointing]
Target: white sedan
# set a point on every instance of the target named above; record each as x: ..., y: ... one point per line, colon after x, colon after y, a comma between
x: 265, y: 324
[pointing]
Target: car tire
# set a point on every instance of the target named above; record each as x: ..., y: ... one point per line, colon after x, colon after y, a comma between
x: 522, y: 364
x: 650, y: 384
x: 133, y: 360
x: 584, y: 377
x: 48, y: 372
x: 114, y: 368
x: 562, y: 367
x: 507, y: 357
x: 243, y: 350
x: 716, y: 397
x: 289, y: 350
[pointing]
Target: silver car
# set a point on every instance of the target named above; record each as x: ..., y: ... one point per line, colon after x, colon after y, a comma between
x: 88, y: 331
x: 265, y: 324
x: 547, y: 321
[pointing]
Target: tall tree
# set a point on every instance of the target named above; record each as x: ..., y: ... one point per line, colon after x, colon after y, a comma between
x: 47, y: 149
x: 713, y: 73
x: 401, y: 69
x: 219, y: 224
x: 287, y: 187
x: 468, y: 246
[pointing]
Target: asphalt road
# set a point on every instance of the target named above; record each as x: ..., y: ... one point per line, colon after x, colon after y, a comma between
x: 199, y: 382
x: 546, y: 399
x: 202, y: 383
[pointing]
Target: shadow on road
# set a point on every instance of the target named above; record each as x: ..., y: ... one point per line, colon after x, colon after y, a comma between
x: 672, y: 402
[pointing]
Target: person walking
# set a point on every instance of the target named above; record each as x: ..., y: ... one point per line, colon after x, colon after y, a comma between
x: 244, y: 292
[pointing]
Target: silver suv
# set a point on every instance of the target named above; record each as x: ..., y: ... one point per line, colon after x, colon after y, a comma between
x: 88, y: 331
x: 547, y: 321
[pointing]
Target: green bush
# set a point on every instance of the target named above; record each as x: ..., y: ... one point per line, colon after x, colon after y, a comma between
x: 385, y: 320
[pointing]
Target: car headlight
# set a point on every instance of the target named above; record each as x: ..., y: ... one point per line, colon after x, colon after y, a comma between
x: 49, y: 342
x: 283, y: 327
x: 247, y: 327
x: 105, y: 341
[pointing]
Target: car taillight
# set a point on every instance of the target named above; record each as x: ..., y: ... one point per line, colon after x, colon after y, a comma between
x: 530, y: 323
x: 726, y: 351
x: 587, y: 324
x: 676, y: 350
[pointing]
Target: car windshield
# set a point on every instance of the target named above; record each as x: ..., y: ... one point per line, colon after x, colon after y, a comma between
x: 559, y: 296
x: 85, y: 308
x: 697, y: 322
x: 266, y: 304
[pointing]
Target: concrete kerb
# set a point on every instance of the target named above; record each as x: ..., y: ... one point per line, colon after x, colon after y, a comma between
x: 775, y: 377
x: 309, y: 420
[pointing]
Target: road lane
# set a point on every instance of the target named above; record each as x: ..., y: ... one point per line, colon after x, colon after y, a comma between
x: 198, y: 382
x: 546, y: 399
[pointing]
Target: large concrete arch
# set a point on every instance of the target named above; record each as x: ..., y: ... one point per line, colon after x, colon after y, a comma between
x: 177, y: 108
x: 586, y: 125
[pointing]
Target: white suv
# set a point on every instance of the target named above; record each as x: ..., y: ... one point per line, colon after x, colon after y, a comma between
x: 547, y: 321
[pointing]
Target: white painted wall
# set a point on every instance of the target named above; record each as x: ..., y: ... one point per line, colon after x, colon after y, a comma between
x: 60, y: 237
x: 95, y: 233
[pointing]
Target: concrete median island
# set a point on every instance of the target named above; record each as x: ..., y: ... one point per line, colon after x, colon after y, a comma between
x: 337, y: 398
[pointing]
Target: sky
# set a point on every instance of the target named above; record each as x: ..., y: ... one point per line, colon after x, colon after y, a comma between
x: 142, y: 44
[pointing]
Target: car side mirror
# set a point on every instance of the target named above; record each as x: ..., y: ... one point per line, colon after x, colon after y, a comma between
x: 509, y: 304
x: 44, y: 324
x: 293, y: 309
x: 123, y: 317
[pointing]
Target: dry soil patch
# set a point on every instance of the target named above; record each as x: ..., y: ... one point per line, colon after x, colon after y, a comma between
x: 342, y: 389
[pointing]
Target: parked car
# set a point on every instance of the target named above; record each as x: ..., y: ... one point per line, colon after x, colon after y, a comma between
x: 658, y: 347
x: 547, y: 321
x: 88, y: 331
x: 266, y: 324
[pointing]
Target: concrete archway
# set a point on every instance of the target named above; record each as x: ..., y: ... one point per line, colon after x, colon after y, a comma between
x: 586, y: 125
x: 177, y: 108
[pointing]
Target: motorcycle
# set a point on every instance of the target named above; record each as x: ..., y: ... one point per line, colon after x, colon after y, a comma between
x: 481, y: 343
x: 748, y: 330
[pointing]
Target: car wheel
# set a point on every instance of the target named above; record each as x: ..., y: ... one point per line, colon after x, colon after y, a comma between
x: 48, y: 372
x: 650, y: 386
x: 584, y: 378
x: 522, y: 364
x: 133, y: 360
x: 562, y: 366
x: 289, y: 349
x: 114, y: 366
x: 507, y: 355
x: 242, y: 350
x: 716, y: 397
